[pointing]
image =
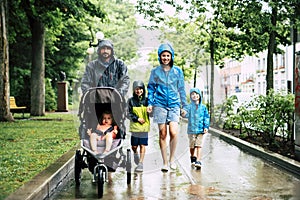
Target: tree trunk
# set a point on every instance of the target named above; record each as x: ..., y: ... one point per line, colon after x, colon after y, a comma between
x: 5, y: 114
x: 38, y: 68
x: 212, y: 79
x: 271, y: 49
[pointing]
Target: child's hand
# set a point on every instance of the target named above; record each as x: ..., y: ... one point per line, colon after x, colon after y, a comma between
x: 115, y: 131
x: 182, y: 113
x: 89, y: 132
x: 205, y: 130
x: 149, y: 109
x: 141, y: 120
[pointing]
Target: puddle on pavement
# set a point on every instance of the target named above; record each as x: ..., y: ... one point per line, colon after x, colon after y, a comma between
x: 227, y: 173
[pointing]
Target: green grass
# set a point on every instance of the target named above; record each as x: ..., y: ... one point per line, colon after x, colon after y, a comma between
x: 29, y: 146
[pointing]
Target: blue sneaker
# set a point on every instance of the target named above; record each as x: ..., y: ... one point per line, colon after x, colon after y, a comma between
x: 198, y: 164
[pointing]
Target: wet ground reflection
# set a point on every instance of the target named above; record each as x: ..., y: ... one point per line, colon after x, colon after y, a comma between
x: 227, y: 173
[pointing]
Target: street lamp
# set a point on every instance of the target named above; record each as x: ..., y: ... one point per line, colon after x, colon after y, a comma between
x: 99, y: 37
x: 90, y: 50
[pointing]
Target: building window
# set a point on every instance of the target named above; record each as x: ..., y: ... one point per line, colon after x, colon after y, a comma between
x: 283, y: 60
x: 276, y: 61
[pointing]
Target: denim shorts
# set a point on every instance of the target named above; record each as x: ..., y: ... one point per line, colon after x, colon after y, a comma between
x: 165, y: 115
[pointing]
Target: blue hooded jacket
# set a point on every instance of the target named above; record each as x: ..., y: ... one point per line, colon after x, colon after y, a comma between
x: 166, y: 89
x: 198, y: 116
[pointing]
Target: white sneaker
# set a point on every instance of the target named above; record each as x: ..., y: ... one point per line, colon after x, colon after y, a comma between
x: 164, y: 168
x: 173, y: 166
x: 139, y: 167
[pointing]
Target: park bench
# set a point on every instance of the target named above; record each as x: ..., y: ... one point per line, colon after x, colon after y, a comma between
x: 14, y: 108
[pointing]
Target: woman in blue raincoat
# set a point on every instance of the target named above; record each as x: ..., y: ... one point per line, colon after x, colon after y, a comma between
x: 166, y: 97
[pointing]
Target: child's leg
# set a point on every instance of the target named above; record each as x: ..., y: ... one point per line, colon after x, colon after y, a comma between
x: 108, y: 141
x: 192, y: 151
x: 142, y: 152
x: 93, y: 142
x: 198, y: 152
x: 198, y: 146
x: 134, y: 148
x: 192, y: 140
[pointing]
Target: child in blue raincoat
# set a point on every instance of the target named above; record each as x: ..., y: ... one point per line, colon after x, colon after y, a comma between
x: 198, y: 125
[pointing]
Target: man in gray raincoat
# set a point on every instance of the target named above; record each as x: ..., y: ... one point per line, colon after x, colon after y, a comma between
x: 106, y: 70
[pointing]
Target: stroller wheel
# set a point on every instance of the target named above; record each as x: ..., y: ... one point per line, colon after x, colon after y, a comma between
x: 78, y: 167
x: 100, y: 182
x: 128, y: 166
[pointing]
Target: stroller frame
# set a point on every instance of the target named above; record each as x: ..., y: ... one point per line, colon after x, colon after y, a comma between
x: 85, y: 157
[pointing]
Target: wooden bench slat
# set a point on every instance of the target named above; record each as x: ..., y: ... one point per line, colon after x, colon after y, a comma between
x: 13, y: 106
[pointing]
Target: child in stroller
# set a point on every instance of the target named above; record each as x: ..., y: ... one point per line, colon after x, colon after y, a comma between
x: 94, y: 106
x: 106, y: 130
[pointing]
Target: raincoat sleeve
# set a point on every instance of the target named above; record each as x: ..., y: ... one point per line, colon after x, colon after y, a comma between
x: 87, y: 78
x: 151, y: 89
x: 188, y: 108
x: 181, y: 89
x: 133, y: 117
x: 124, y: 81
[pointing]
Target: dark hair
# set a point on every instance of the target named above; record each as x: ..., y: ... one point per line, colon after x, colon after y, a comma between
x: 107, y: 112
x: 171, y: 62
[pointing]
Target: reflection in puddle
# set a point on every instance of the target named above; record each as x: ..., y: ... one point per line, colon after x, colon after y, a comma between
x: 200, y: 191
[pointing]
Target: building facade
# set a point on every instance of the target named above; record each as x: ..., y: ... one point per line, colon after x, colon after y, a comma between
x: 249, y: 75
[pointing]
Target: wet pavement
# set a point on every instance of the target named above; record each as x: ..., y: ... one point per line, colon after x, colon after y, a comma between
x: 227, y: 173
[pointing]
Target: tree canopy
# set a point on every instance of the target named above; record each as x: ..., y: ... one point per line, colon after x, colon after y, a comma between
x: 237, y: 28
x: 66, y: 28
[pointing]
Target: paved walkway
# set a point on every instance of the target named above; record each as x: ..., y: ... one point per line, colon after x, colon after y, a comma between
x: 220, y: 164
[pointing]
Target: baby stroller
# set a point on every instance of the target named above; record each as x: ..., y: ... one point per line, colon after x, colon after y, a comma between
x: 93, y: 103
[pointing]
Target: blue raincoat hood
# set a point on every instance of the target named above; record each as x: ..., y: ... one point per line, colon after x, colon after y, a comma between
x: 197, y: 91
x: 165, y: 47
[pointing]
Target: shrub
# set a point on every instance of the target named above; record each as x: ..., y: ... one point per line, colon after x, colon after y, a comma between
x: 269, y: 117
x: 50, y: 97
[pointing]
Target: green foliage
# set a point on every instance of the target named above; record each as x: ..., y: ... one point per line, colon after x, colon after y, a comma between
x: 70, y: 25
x: 272, y: 116
x: 269, y: 117
x: 225, y: 116
x: 120, y: 27
x: 237, y: 28
x: 29, y: 146
x: 50, y: 97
